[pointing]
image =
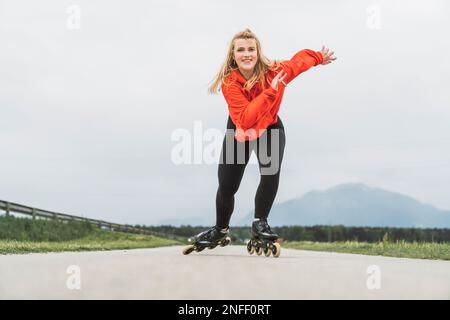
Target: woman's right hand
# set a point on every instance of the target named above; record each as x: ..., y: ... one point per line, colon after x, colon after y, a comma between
x: 278, y: 78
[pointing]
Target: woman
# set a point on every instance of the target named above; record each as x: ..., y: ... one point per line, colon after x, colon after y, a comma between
x: 253, y: 87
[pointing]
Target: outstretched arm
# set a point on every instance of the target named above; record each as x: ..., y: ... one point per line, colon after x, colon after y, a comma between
x: 304, y: 60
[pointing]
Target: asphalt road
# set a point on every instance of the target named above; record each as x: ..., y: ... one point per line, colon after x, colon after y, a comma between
x: 222, y: 273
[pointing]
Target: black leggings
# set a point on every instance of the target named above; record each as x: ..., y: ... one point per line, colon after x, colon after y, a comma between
x: 232, y: 166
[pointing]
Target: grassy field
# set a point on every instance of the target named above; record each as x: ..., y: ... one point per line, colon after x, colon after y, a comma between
x: 95, y: 242
x: 21, y: 235
x: 400, y: 249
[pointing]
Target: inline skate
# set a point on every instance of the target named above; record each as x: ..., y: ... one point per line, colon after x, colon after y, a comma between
x: 210, y: 239
x: 263, y: 240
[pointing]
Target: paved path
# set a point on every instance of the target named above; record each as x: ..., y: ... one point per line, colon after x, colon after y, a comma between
x: 222, y: 273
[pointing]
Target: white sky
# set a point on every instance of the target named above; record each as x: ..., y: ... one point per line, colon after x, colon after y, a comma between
x: 86, y: 115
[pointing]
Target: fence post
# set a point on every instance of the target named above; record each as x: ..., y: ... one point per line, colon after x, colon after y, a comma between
x: 7, y: 209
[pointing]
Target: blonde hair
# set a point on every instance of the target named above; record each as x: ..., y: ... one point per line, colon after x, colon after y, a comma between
x: 262, y: 65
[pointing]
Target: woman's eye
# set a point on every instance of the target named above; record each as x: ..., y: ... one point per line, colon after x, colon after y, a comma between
x: 240, y: 49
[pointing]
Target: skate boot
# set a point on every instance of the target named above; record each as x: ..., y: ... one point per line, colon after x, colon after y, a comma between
x: 210, y: 239
x: 263, y: 240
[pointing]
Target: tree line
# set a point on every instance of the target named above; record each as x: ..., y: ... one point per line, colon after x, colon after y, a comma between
x: 322, y: 233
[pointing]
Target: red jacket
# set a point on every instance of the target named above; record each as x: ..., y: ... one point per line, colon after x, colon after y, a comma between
x: 253, y: 111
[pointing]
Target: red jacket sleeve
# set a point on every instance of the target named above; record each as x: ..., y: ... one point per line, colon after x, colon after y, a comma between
x: 301, y: 62
x: 243, y: 112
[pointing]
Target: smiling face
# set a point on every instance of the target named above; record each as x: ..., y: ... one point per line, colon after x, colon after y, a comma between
x: 245, y: 55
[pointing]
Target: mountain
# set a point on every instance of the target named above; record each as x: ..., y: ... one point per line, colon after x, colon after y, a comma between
x: 356, y: 204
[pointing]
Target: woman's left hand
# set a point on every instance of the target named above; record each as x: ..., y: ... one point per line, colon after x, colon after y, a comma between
x: 328, y: 56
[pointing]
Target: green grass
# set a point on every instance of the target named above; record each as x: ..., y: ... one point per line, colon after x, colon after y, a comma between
x: 24, y: 229
x: 21, y: 235
x: 103, y: 240
x: 400, y: 249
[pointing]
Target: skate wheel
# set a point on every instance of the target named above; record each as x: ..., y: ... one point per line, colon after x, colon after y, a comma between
x: 188, y: 249
x: 276, y: 249
x: 259, y: 250
x: 225, y: 242
x: 250, y: 248
x: 267, y: 252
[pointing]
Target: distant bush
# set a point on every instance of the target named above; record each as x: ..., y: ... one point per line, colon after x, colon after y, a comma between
x: 25, y: 229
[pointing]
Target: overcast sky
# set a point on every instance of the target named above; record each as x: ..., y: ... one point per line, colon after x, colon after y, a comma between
x: 91, y: 92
